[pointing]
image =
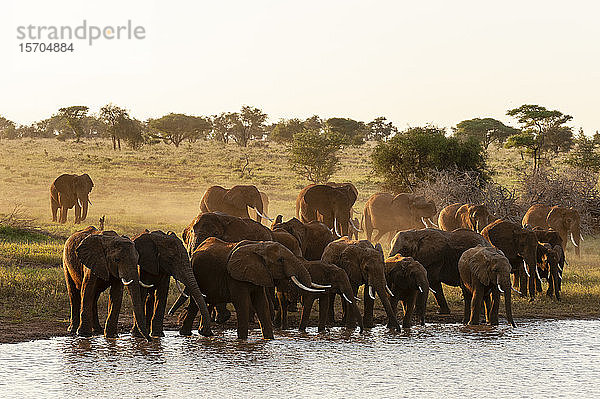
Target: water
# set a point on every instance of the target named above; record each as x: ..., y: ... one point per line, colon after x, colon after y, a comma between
x: 536, y: 359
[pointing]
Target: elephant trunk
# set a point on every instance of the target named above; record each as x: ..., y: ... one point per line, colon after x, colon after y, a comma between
x: 85, y: 202
x: 188, y: 279
x: 380, y: 287
x: 508, y: 305
x: 138, y: 309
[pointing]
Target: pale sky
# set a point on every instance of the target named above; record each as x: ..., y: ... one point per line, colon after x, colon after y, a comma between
x: 414, y: 62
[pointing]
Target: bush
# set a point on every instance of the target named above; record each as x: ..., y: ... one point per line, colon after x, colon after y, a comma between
x: 313, y: 154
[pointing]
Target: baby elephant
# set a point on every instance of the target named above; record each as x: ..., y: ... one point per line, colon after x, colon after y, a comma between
x: 407, y: 280
x: 485, y: 270
x: 550, y: 266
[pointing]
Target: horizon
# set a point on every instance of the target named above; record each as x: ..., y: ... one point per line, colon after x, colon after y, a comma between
x: 415, y: 64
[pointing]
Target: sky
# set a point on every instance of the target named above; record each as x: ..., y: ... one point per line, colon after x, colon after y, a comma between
x: 415, y: 63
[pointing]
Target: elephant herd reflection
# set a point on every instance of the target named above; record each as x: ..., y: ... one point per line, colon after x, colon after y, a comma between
x: 226, y: 257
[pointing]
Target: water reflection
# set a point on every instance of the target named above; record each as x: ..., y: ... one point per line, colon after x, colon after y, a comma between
x: 539, y: 358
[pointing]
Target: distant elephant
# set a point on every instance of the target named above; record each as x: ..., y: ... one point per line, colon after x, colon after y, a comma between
x: 327, y: 204
x: 265, y: 201
x: 327, y: 274
x: 364, y: 265
x: 238, y: 273
x: 68, y: 191
x: 234, y: 202
x: 313, y: 237
x: 438, y: 251
x: 519, y: 245
x: 92, y: 262
x: 484, y: 270
x: 162, y: 256
x: 549, y: 259
x: 464, y: 216
x: 407, y: 279
x: 564, y: 220
x: 388, y: 213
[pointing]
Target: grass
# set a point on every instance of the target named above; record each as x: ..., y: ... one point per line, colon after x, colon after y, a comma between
x: 160, y: 186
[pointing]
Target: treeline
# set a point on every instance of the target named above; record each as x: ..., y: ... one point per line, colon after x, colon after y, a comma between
x: 402, y: 157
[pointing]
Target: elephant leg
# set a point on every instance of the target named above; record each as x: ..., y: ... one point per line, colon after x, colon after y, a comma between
x: 242, y: 311
x: 188, y: 320
x: 282, y: 298
x: 292, y: 301
x: 476, y: 306
x: 368, y: 308
x: 523, y: 284
x: 487, y: 307
x: 160, y: 304
x: 331, y: 313
x: 307, y: 304
x: 493, y: 314
x: 63, y: 214
x: 261, y: 306
x: 323, y: 311
x: 532, y: 280
x: 96, y: 327
x: 394, y: 304
x: 222, y: 313
x: 409, y: 309
x: 88, y: 295
x: 114, y: 307
x: 550, y: 289
x: 147, y: 298
x: 344, y: 312
x: 467, y: 296
x: 54, y: 206
x: 75, y: 302
x: 439, y: 297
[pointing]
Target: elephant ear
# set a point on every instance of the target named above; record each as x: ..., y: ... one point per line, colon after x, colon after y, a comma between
x: 556, y: 219
x: 85, y: 181
x: 90, y: 253
x: 148, y: 253
x: 351, y: 193
x: 315, y: 195
x: 246, y: 264
x: 236, y: 196
x: 481, y: 265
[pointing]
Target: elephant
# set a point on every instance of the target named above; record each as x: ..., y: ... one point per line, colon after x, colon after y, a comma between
x: 94, y: 260
x: 519, y: 245
x: 466, y: 216
x: 483, y: 271
x: 238, y: 273
x: 564, y: 220
x: 313, y: 236
x: 234, y: 202
x: 438, y: 251
x: 265, y: 201
x: 549, y: 259
x: 162, y: 256
x: 337, y: 279
x: 407, y: 279
x: 68, y: 191
x: 388, y: 213
x: 364, y: 265
x: 327, y: 204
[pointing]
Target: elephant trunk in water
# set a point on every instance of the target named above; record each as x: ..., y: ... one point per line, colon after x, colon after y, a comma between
x: 508, y: 305
x: 138, y: 308
x: 379, y: 285
x: 191, y: 287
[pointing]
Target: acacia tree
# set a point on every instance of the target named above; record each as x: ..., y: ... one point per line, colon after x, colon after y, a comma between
x: 380, y: 129
x: 353, y: 132
x: 174, y: 128
x: 541, y: 125
x: 74, y: 117
x: 313, y: 154
x: 223, y: 126
x: 250, y: 125
x: 485, y: 130
x: 114, y: 116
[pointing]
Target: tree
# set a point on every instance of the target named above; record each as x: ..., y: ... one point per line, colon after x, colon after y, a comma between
x: 416, y: 153
x: 174, y: 128
x: 486, y: 131
x: 585, y: 155
x: 223, y: 126
x: 313, y: 154
x: 353, y: 132
x: 284, y: 130
x: 113, y: 116
x: 250, y: 125
x: 546, y: 127
x: 74, y: 116
x: 7, y: 128
x: 523, y: 140
x: 380, y: 129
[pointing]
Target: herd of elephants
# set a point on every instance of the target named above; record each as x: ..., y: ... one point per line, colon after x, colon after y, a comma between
x: 225, y: 257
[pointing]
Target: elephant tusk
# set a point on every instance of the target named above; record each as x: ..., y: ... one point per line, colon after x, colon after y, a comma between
x: 305, y: 288
x: 500, y: 289
x: 420, y: 289
x: 432, y: 290
x: 573, y: 240
x: 79, y: 203
x: 90, y: 202
x: 371, y: 295
x: 261, y: 215
x: 513, y: 288
x: 354, y: 226
x: 315, y: 285
x: 146, y: 285
x: 346, y: 298
x: 126, y: 282
x: 581, y: 237
x: 560, y: 277
x: 526, y: 271
x: 357, y: 298
x: 423, y: 221
x: 182, y: 291
x: 388, y: 290
x: 335, y: 227
x: 431, y: 221
x: 537, y: 272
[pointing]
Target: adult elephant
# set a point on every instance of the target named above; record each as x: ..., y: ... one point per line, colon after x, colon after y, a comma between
x: 313, y: 236
x: 483, y: 271
x: 234, y: 201
x: 519, y: 245
x: 464, y: 216
x: 68, y: 191
x: 407, y: 279
x: 388, y: 213
x: 551, y: 259
x: 93, y: 261
x: 327, y: 204
x: 238, y: 273
x: 438, y: 251
x: 162, y: 256
x: 564, y: 220
x: 364, y: 265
